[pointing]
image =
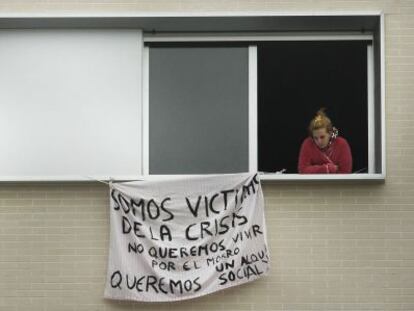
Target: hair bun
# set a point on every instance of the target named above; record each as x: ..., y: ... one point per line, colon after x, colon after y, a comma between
x: 321, y: 120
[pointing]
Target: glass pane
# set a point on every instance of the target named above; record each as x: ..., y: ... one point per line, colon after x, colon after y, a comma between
x: 198, y: 110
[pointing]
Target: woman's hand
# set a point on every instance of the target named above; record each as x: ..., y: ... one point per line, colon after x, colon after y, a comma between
x: 332, y: 168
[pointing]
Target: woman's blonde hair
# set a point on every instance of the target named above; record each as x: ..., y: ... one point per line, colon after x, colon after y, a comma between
x: 320, y: 121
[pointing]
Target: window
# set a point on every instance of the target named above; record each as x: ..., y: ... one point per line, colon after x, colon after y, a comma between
x: 155, y: 94
x: 296, y: 78
x: 288, y: 79
x: 69, y: 103
x: 198, y: 109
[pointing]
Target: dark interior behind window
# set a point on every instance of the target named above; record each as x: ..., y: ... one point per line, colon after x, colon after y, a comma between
x: 295, y: 79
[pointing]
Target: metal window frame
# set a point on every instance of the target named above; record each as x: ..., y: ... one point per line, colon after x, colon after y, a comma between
x: 128, y: 20
x: 253, y: 140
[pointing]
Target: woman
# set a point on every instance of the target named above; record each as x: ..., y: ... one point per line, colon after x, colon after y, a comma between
x: 324, y: 152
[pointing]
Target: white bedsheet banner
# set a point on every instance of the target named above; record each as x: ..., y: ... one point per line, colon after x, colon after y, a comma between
x: 182, y: 238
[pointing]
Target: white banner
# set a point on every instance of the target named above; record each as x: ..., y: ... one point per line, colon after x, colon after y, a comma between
x: 185, y: 237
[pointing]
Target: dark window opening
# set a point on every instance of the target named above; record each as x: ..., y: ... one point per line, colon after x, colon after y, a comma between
x: 295, y: 79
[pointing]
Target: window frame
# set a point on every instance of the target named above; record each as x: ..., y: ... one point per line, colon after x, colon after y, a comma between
x: 250, y: 38
x: 221, y: 23
x: 252, y: 110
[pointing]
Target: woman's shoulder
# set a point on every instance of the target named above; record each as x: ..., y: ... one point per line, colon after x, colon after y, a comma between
x: 308, y: 141
x: 340, y: 141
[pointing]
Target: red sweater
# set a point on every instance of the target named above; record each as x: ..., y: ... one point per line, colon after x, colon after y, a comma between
x: 313, y: 160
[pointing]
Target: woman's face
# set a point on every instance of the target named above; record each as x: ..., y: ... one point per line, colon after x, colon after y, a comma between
x: 321, y: 137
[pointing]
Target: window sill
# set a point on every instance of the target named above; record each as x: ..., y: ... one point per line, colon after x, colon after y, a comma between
x: 321, y: 177
x: 263, y: 176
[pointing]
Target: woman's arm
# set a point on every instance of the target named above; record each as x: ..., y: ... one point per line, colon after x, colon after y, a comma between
x: 345, y: 158
x: 305, y: 162
x: 317, y: 169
